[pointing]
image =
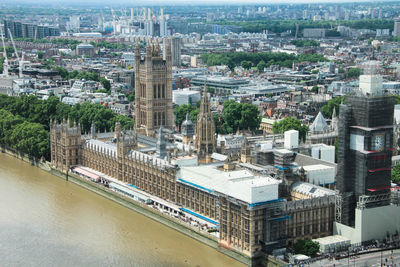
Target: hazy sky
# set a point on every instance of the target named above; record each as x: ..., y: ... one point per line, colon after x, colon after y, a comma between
x: 171, y: 2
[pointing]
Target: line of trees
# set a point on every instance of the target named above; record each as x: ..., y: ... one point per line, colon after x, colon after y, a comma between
x: 108, y: 45
x: 27, y: 137
x: 72, y: 43
x: 241, y: 58
x: 290, y: 123
x: 305, y: 43
x: 235, y: 116
x: 34, y: 113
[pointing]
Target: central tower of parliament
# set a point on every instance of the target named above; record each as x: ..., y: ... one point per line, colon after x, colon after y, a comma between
x: 153, y: 89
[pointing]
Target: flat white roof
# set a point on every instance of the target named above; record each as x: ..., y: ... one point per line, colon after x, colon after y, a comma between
x: 186, y: 92
x: 240, y: 184
x: 283, y: 151
x: 333, y: 239
x: 317, y: 167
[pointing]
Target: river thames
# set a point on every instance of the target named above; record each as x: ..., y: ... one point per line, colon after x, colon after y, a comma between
x: 46, y: 221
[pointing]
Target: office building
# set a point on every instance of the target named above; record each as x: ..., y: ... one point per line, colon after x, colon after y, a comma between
x: 27, y: 30
x: 176, y: 51
x: 396, y: 31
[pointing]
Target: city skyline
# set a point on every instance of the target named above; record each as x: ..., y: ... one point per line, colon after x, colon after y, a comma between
x: 187, y: 2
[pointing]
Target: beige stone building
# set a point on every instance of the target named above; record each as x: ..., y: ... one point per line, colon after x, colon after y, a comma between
x: 153, y: 90
x: 248, y: 223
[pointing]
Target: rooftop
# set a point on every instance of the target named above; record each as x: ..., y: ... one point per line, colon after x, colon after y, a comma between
x: 311, y: 190
x: 240, y: 184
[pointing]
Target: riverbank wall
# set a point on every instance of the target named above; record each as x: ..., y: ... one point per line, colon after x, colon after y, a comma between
x: 147, y: 211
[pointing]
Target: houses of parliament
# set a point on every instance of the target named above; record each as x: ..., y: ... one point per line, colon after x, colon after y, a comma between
x: 256, y: 199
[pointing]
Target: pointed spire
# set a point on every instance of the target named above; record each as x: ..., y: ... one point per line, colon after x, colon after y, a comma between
x: 93, y: 130
x: 205, y: 127
x: 161, y: 146
x: 319, y: 125
x: 117, y: 130
x: 334, y: 122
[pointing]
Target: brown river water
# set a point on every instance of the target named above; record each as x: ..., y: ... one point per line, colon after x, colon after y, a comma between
x: 46, y: 221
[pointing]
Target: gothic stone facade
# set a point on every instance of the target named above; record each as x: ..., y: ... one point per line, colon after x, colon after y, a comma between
x: 247, y: 228
x: 153, y: 90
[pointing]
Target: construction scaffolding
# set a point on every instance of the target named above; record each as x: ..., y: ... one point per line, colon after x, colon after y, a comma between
x: 364, y: 167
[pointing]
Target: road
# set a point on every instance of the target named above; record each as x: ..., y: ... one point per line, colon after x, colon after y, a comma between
x: 370, y: 260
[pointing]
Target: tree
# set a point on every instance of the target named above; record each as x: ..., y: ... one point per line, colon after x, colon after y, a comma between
x: 63, y: 72
x: 40, y: 54
x: 315, y: 71
x: 246, y: 64
x: 239, y: 116
x: 211, y: 90
x: 261, y: 65
x: 315, y: 89
x: 126, y: 122
x: 101, y: 91
x: 193, y: 114
x: 250, y: 118
x: 1, y: 64
x: 353, y: 73
x: 306, y: 247
x: 131, y: 97
x: 30, y: 138
x: 106, y: 83
x: 290, y: 123
x: 334, y: 103
x: 305, y: 43
x: 396, y: 173
x: 231, y: 116
x: 180, y: 113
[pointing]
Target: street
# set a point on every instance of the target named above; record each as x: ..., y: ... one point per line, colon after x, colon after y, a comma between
x: 370, y: 259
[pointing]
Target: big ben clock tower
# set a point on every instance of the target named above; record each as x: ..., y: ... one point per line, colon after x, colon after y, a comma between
x: 364, y: 150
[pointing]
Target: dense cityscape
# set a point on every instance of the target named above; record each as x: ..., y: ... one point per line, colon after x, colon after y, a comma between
x: 270, y: 133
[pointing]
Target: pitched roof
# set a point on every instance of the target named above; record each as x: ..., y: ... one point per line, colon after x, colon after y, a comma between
x: 319, y: 125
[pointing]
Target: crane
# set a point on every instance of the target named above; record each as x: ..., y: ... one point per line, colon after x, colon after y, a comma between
x: 5, y: 64
x: 16, y: 54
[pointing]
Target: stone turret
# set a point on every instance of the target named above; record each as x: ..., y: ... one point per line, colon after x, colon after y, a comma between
x: 126, y: 141
x: 161, y: 146
x: 246, y: 156
x: 187, y: 130
x: 65, y: 144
